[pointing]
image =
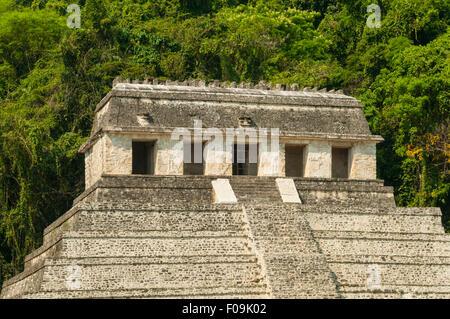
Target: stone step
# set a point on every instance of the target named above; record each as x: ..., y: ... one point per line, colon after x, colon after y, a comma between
x: 342, y: 186
x: 388, y: 260
x: 371, y: 222
x: 391, y: 274
x: 31, y: 279
x: 285, y: 245
x: 384, y: 246
x: 343, y: 219
x: 133, y: 244
x: 349, y: 209
x: 299, y: 276
x: 27, y: 281
x: 254, y: 190
x: 337, y: 181
x: 153, y: 220
x: 346, y: 198
x: 386, y: 236
x: 294, y: 266
x: 255, y: 184
x: 143, y: 275
x: 342, y: 209
x: 256, y: 193
x: 342, y: 191
x: 137, y: 216
x: 154, y: 195
x: 396, y: 292
x: 156, y: 260
x: 252, y: 292
x: 255, y: 199
x: 148, y: 246
x: 278, y: 222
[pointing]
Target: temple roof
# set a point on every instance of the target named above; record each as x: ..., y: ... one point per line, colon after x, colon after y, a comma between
x: 157, y: 106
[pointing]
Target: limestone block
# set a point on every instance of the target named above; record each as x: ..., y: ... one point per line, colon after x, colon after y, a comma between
x: 363, y: 161
x: 93, y: 159
x: 169, y: 157
x: 318, y: 159
x: 117, y: 154
x: 271, y: 164
x: 218, y: 163
x: 223, y: 193
x: 169, y: 162
x: 288, y: 191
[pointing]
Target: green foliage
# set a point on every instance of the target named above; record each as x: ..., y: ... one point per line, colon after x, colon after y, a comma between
x: 20, y: 50
x: 51, y: 78
x: 258, y: 42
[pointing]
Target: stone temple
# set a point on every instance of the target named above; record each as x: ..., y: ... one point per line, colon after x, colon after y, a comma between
x: 234, y: 191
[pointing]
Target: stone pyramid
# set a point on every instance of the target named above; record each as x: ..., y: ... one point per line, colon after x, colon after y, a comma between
x: 165, y: 234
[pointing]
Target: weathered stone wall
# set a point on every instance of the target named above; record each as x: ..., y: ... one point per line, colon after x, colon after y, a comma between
x: 319, y: 120
x: 271, y: 160
x: 218, y: 157
x: 117, y: 154
x: 112, y: 154
x: 318, y: 159
x: 169, y: 156
x: 161, y: 236
x: 347, y: 192
x: 129, y: 250
x: 93, y: 163
x: 362, y: 161
x: 177, y: 106
x: 173, y: 243
x: 294, y: 265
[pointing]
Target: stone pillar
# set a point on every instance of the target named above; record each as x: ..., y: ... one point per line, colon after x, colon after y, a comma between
x: 93, y: 159
x: 362, y: 161
x: 317, y: 155
x: 117, y: 152
x: 271, y: 159
x: 271, y: 163
x: 169, y: 156
x: 218, y: 157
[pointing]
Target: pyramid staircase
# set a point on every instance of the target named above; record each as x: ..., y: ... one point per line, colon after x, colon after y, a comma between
x: 161, y: 237
x: 142, y: 251
x: 255, y: 190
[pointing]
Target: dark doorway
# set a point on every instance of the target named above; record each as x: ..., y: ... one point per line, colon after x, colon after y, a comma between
x: 142, y: 158
x: 294, y: 160
x: 189, y: 159
x: 245, y: 163
x: 339, y: 162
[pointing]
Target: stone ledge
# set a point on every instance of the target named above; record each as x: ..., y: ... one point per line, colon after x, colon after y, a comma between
x: 284, y: 135
x: 364, y: 210
x: 389, y: 260
x: 192, y: 259
x: 21, y: 276
x: 422, y: 291
x: 246, y: 292
x: 172, y: 235
x: 245, y: 95
x: 383, y: 236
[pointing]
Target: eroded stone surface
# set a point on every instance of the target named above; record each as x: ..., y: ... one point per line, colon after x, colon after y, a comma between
x: 288, y: 191
x: 172, y: 236
x: 223, y: 193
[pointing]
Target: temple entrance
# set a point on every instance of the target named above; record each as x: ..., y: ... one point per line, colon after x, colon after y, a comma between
x: 142, y: 158
x: 245, y: 159
x: 294, y: 160
x: 190, y: 167
x: 339, y: 162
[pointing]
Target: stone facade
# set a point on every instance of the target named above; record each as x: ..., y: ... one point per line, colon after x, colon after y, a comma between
x: 167, y: 114
x: 163, y: 234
